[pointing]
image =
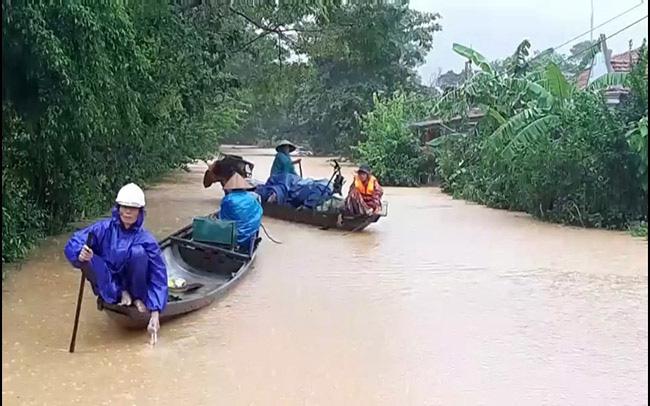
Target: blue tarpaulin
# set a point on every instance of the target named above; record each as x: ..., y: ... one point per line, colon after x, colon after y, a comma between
x: 295, y: 191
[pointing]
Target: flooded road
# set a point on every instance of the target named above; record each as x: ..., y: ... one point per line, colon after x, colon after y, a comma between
x: 441, y: 303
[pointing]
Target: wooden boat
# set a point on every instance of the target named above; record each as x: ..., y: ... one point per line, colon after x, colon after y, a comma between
x: 320, y: 219
x: 234, y: 163
x: 209, y: 270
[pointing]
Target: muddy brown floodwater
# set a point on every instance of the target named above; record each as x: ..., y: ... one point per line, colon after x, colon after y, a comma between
x: 441, y: 303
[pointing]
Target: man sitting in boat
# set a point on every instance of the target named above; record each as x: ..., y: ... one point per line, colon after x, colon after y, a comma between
x: 283, y: 162
x: 123, y: 263
x: 243, y: 207
x: 365, y: 193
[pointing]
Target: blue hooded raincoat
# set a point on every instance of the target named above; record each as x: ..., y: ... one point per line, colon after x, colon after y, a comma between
x: 123, y: 259
x: 245, y: 210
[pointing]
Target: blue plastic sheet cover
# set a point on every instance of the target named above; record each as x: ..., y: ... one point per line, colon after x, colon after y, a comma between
x: 293, y: 190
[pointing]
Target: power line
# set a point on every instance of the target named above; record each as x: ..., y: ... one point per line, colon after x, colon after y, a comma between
x: 598, y: 26
x: 597, y: 44
x: 628, y: 26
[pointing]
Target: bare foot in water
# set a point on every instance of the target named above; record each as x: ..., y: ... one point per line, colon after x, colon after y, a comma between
x: 140, y: 306
x: 126, y: 299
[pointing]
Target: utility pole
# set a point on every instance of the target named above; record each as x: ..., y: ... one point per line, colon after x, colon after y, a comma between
x: 607, y: 53
x: 591, y: 31
x: 630, y: 54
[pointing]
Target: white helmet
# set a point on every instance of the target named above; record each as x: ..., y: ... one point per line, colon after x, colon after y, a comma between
x: 131, y: 196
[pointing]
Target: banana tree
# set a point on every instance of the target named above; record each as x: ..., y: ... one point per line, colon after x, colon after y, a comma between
x: 474, y: 56
x: 638, y: 140
x: 532, y: 100
x: 545, y: 97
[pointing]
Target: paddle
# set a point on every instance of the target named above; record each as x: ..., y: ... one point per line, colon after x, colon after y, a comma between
x: 82, y: 283
x: 300, y: 167
x: 357, y: 228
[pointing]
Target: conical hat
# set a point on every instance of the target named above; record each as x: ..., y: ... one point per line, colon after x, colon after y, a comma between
x: 237, y: 182
x: 291, y: 145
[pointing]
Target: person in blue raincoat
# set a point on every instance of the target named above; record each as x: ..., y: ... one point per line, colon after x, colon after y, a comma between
x: 242, y: 207
x: 124, y: 263
x: 283, y: 162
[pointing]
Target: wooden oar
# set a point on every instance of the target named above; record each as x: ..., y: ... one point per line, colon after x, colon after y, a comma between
x: 82, y: 283
x: 357, y: 228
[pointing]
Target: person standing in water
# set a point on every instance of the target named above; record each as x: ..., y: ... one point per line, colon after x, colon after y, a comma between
x: 283, y: 162
x: 124, y: 263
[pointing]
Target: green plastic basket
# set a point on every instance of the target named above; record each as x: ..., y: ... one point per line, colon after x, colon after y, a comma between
x: 211, y: 230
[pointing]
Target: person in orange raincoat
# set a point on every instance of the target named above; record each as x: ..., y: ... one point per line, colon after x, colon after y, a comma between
x: 365, y: 193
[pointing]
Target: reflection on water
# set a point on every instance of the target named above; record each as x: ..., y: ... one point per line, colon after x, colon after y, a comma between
x: 441, y: 303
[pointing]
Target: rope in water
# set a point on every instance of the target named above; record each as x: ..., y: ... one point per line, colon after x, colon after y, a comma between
x: 268, y: 236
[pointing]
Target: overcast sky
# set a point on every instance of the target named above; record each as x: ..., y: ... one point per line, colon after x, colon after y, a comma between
x: 496, y: 27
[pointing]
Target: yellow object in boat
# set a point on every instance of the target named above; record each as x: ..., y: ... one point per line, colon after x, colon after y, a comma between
x: 176, y: 283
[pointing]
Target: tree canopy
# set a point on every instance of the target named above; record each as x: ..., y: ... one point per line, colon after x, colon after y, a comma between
x: 99, y: 94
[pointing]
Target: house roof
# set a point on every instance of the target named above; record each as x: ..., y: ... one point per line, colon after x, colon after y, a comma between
x: 625, y: 61
x: 620, y: 63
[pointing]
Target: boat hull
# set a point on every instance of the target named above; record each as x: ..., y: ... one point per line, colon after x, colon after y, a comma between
x: 319, y: 219
x: 215, y: 269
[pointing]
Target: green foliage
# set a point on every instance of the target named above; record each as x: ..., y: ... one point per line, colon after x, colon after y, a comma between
x: 392, y: 149
x: 474, y: 56
x: 450, y: 80
x: 22, y: 220
x: 638, y: 140
x: 556, y: 83
x: 582, y: 54
x: 365, y: 49
x: 344, y: 56
x: 640, y: 230
x: 269, y: 86
x: 636, y: 104
x: 521, y: 62
x: 609, y: 80
x: 546, y: 147
x: 98, y: 95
